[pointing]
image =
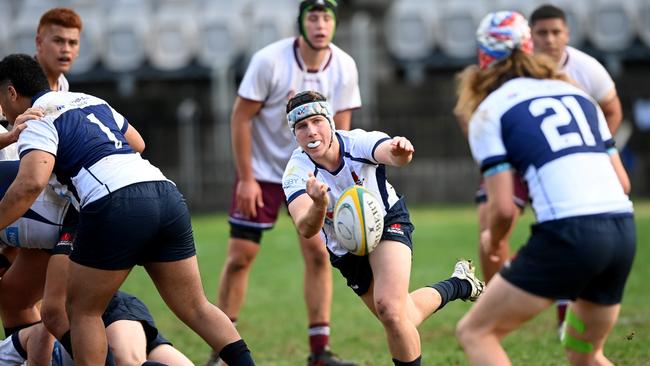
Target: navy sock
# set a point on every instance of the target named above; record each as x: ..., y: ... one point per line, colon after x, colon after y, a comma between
x: 237, y: 354
x: 66, y: 342
x: 415, y: 362
x: 153, y: 363
x: 452, y: 289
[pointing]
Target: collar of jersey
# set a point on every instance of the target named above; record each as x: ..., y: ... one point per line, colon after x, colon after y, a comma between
x: 341, y: 150
x: 39, y: 94
x: 299, y: 61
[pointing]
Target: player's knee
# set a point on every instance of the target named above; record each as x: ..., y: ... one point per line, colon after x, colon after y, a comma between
x: 389, y: 311
x: 464, y: 332
x: 54, y: 319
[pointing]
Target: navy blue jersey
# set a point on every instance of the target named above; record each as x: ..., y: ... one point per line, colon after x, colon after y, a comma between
x: 86, y: 136
x: 557, y: 138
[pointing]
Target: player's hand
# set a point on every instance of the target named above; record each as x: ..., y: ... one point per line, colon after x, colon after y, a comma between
x: 487, y: 246
x: 317, y: 190
x: 249, y: 197
x: 401, y: 146
x: 28, y: 115
x: 12, y: 135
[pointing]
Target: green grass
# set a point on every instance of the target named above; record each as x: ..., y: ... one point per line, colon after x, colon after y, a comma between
x: 273, y: 320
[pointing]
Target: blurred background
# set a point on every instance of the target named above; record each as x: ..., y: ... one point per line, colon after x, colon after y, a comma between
x: 172, y: 68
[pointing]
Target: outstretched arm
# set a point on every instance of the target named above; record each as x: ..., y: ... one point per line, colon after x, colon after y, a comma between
x: 397, y: 151
x: 308, y: 210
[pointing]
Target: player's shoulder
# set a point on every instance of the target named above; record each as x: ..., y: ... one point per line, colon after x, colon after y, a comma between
x: 273, y: 50
x: 580, y: 60
x: 341, y: 56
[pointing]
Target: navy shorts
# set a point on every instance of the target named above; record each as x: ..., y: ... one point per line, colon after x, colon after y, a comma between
x: 356, y: 269
x: 128, y: 307
x: 587, y: 257
x: 139, y: 223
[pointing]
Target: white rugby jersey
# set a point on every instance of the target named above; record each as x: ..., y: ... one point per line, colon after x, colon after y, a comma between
x: 556, y: 137
x: 41, y: 225
x: 87, y: 137
x: 358, y: 166
x: 275, y: 74
x: 10, y: 152
x: 585, y: 70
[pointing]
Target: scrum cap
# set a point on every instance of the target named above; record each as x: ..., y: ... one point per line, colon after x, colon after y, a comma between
x: 306, y: 104
x: 499, y: 34
x: 330, y: 6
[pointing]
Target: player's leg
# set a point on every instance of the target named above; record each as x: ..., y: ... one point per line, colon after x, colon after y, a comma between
x: 391, y: 268
x: 53, y: 309
x: 588, y: 325
x: 21, y: 288
x: 499, y: 311
x: 88, y: 292
x: 179, y: 284
x: 233, y: 282
x: 39, y: 346
x: 127, y: 341
x: 168, y: 355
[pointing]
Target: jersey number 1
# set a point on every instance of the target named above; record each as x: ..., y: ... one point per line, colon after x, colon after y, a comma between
x: 563, y: 110
x: 105, y: 130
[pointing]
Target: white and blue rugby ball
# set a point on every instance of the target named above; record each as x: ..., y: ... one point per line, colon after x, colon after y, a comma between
x: 358, y: 220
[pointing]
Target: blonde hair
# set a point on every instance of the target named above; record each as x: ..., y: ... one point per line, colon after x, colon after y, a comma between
x: 475, y: 84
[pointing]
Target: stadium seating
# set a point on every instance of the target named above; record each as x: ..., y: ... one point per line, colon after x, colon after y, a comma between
x: 272, y: 21
x: 611, y: 26
x: 409, y: 29
x: 126, y: 33
x: 92, y: 35
x: 173, y: 35
x: 643, y: 21
x: 23, y: 29
x: 222, y: 35
x: 456, y: 26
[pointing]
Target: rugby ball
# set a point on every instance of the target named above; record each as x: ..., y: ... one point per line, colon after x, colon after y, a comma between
x: 358, y: 220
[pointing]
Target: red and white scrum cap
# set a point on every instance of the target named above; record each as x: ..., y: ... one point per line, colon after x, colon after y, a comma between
x: 499, y: 34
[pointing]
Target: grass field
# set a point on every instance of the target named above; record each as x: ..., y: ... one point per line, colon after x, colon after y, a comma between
x: 273, y: 321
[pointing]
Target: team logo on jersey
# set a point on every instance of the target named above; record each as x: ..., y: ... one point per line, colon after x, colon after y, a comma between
x: 395, y: 229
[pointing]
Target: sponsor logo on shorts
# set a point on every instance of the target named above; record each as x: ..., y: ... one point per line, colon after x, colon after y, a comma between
x: 395, y: 229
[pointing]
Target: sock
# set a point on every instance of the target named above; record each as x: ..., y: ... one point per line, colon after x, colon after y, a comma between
x: 319, y: 337
x: 153, y: 363
x: 561, y: 310
x: 452, y: 289
x: 66, y: 342
x: 237, y: 354
x: 11, y: 330
x: 415, y: 362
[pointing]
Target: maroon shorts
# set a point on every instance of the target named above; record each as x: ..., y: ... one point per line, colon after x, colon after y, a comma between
x: 520, y: 197
x: 272, y: 196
